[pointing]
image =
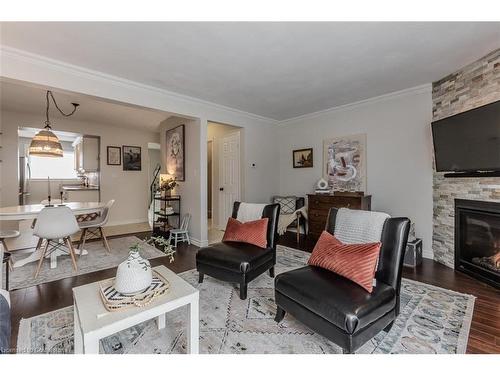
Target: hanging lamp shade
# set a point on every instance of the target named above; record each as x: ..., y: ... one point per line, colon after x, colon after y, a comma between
x: 46, y: 143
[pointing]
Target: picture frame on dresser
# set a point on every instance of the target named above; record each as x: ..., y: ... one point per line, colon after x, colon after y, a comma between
x: 114, y: 155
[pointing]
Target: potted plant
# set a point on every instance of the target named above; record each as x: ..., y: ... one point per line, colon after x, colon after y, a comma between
x: 166, y: 186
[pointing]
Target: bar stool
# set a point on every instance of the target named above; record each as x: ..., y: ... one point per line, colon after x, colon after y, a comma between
x: 5, y: 255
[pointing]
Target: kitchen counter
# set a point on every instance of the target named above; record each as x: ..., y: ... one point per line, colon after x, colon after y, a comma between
x: 79, y: 187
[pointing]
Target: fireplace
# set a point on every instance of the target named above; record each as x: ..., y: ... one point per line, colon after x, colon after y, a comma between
x: 477, y: 239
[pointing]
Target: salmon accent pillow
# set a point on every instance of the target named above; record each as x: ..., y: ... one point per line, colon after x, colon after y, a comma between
x: 252, y: 232
x: 355, y: 262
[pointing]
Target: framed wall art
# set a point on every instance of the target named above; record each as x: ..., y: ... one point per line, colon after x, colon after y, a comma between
x: 114, y: 155
x: 175, y: 153
x: 345, y: 162
x: 303, y: 158
x: 131, y: 158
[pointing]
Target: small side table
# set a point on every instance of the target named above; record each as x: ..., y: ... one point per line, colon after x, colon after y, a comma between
x: 93, y: 322
x: 413, y: 255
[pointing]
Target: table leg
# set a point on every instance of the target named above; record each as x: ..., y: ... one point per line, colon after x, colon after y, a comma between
x: 90, y: 344
x: 161, y: 321
x: 78, y: 339
x: 193, y: 330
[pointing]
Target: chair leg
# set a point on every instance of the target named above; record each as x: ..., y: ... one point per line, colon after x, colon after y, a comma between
x: 200, y: 278
x: 81, y: 245
x: 176, y: 239
x: 42, y: 257
x: 71, y: 253
x: 280, y: 314
x: 243, y: 291
x: 188, y: 239
x: 271, y: 271
x: 388, y: 328
x: 104, y: 240
x: 346, y: 351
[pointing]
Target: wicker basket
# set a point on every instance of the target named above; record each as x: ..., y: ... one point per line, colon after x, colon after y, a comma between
x: 113, y: 300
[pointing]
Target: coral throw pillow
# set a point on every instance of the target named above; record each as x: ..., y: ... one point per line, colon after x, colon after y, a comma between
x: 355, y: 262
x: 252, y: 232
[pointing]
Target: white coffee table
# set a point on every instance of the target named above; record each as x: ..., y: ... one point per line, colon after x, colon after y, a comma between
x: 93, y: 322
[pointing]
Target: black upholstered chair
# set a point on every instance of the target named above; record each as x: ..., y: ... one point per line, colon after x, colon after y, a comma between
x: 339, y: 309
x: 239, y: 262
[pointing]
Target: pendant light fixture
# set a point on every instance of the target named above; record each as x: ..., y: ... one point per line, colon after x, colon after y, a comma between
x: 45, y: 142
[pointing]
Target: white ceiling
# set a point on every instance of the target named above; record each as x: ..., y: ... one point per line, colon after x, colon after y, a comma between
x: 277, y: 70
x: 31, y: 99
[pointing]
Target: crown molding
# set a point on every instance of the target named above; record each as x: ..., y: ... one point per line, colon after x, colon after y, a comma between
x: 38, y: 60
x: 425, y: 88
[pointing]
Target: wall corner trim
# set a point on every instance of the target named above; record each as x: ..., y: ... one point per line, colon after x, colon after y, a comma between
x: 421, y: 89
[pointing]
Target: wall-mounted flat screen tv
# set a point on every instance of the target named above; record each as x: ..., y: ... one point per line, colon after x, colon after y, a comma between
x: 468, y: 141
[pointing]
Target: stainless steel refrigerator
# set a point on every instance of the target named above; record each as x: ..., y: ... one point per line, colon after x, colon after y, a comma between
x: 24, y: 179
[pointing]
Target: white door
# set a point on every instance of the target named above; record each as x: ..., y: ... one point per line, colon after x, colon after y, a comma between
x: 229, y: 176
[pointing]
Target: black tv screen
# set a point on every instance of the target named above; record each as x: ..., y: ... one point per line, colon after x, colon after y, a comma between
x: 469, y: 141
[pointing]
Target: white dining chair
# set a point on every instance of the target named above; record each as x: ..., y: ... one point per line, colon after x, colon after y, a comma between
x: 181, y: 234
x: 55, y: 224
x: 93, y: 228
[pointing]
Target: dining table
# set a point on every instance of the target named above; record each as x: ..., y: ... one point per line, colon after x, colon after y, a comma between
x: 31, y: 211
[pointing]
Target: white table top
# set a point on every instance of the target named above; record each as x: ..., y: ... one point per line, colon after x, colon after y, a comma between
x: 31, y: 211
x: 94, y: 316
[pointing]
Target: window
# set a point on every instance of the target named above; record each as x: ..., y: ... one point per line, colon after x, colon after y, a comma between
x: 55, y: 168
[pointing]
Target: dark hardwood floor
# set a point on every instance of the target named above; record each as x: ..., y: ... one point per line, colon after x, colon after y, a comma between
x: 484, y: 334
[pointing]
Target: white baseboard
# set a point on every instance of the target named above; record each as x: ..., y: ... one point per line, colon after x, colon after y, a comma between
x: 198, y: 242
x: 125, y: 222
x: 427, y: 253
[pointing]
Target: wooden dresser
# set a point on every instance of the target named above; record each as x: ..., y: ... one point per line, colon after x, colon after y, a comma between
x: 320, y: 204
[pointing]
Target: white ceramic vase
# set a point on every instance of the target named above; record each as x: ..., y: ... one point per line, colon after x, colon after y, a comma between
x: 134, y: 274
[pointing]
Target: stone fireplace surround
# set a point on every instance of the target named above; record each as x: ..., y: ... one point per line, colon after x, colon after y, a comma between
x: 475, y: 85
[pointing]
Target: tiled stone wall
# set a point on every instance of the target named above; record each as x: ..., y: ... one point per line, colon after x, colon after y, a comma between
x: 474, y: 85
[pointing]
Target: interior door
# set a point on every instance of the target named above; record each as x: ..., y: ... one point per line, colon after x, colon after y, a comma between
x: 229, y: 176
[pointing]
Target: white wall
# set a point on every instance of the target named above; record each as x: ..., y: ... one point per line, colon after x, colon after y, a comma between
x: 130, y: 189
x: 189, y: 190
x: 399, y: 153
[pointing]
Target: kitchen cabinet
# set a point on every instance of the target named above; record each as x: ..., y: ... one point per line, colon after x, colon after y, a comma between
x: 87, y: 153
x: 81, y: 195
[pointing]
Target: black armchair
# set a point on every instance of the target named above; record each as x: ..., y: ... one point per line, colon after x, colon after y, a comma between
x: 241, y: 262
x: 339, y: 309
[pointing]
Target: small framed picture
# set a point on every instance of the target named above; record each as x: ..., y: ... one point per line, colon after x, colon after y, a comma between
x: 114, y: 155
x: 303, y: 158
x: 131, y: 158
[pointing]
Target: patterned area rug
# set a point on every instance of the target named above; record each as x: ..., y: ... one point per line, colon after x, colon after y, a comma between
x: 96, y: 259
x: 432, y: 320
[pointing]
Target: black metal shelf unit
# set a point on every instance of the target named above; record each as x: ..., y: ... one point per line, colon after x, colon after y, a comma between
x: 163, y: 222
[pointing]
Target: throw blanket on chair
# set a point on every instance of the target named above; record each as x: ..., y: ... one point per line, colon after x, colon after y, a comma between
x: 356, y: 226
x: 286, y: 219
x: 250, y: 211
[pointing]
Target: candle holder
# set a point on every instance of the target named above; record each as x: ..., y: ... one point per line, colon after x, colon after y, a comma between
x: 49, y: 204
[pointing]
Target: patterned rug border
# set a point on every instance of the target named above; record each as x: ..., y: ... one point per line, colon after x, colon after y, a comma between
x: 24, y: 333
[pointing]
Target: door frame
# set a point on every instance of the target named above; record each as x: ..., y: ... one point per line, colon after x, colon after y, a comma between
x: 221, y: 224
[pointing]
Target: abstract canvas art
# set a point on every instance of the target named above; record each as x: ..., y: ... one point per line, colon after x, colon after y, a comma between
x: 175, y: 153
x: 345, y: 163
